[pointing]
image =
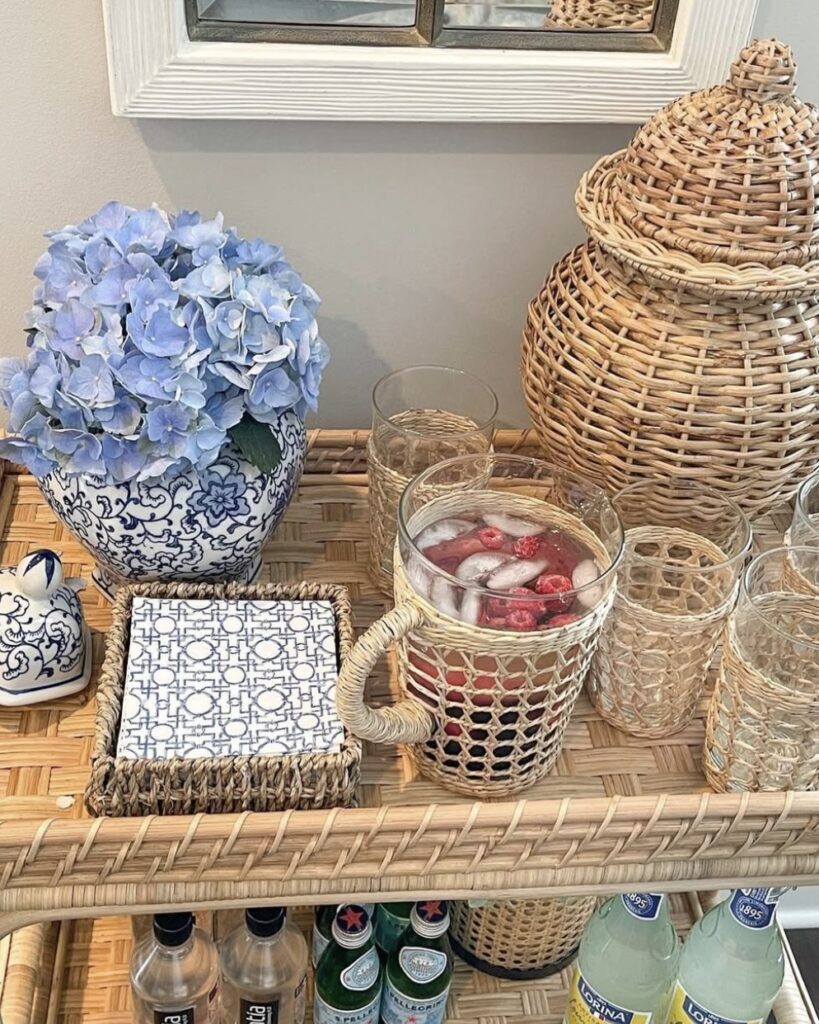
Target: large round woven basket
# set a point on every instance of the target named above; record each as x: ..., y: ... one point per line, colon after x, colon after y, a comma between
x: 681, y: 341
x: 520, y: 939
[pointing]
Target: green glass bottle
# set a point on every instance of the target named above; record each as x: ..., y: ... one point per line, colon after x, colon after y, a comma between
x: 419, y: 969
x: 391, y: 921
x: 732, y: 963
x: 323, y: 924
x: 627, y: 963
x: 349, y: 972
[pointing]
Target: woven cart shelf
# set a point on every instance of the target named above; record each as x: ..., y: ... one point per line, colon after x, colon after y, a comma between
x: 615, y: 812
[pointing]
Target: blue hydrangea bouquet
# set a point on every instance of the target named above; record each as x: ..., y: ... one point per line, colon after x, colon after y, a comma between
x: 154, y: 339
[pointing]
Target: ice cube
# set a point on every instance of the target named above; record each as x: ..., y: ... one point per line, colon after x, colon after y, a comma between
x: 585, y: 573
x: 443, y: 596
x: 516, y: 574
x: 446, y: 529
x: 478, y: 566
x: 509, y: 524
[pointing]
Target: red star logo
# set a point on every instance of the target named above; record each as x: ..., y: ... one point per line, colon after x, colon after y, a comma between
x: 353, y: 917
x: 432, y: 908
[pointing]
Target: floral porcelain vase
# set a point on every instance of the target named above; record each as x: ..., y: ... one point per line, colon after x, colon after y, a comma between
x: 203, y: 525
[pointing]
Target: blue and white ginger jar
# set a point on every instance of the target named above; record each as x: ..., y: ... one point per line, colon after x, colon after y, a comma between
x: 45, y: 646
x: 204, y: 525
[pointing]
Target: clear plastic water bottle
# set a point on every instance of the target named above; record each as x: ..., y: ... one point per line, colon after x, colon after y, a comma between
x: 175, y: 974
x: 627, y: 963
x: 732, y: 963
x: 264, y: 970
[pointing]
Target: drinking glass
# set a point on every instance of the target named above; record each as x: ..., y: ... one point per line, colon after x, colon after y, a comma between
x: 685, y: 548
x: 761, y: 731
x: 422, y: 415
x: 804, y: 532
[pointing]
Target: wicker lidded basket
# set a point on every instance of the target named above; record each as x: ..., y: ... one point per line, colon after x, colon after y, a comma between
x: 126, y: 787
x: 681, y: 339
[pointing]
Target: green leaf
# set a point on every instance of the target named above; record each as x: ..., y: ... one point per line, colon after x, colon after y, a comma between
x: 257, y: 443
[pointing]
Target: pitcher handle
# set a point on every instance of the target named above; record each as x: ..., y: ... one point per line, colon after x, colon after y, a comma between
x: 408, y: 721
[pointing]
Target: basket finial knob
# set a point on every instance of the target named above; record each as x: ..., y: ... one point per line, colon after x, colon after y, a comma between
x: 764, y: 71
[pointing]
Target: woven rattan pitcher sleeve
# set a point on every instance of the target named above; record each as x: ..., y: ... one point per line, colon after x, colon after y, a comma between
x: 408, y: 721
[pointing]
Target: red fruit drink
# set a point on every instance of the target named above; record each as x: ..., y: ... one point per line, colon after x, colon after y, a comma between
x: 497, y: 572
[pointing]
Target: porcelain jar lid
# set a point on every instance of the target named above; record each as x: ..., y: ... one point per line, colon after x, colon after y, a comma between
x: 718, y: 189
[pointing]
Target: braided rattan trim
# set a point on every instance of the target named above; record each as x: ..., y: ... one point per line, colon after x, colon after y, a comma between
x: 456, y: 671
x: 759, y: 735
x: 522, y: 935
x: 124, y: 787
x: 651, y: 664
x: 636, y: 15
x: 627, y: 381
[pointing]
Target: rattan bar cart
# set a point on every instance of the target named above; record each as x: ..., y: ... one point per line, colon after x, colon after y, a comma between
x: 616, y: 811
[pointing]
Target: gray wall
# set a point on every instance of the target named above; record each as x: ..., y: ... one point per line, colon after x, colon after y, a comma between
x: 425, y: 242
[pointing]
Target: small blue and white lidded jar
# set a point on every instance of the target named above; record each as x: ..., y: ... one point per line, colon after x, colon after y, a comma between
x: 45, y: 645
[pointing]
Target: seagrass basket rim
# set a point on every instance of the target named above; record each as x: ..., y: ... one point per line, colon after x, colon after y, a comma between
x: 110, y: 773
x: 597, y: 206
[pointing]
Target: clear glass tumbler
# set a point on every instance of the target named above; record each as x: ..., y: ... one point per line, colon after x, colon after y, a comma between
x: 684, y: 551
x: 421, y: 416
x: 761, y: 731
x: 804, y: 533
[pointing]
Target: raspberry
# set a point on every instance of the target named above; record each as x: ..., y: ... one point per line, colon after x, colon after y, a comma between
x: 491, y: 538
x: 561, y: 620
x: 522, y: 621
x: 552, y: 585
x: 526, y: 547
x: 494, y: 622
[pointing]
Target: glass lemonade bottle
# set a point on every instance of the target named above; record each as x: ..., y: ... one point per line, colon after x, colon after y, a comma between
x: 349, y: 973
x: 323, y: 926
x: 175, y: 974
x: 627, y: 963
x: 732, y: 963
x: 419, y: 968
x: 264, y: 970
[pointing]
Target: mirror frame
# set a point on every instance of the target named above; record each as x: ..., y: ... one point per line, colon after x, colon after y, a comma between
x: 156, y: 70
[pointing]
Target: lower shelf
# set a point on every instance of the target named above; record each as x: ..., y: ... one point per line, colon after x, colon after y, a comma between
x: 89, y: 982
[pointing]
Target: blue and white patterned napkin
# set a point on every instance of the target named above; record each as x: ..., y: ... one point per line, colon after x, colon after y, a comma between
x: 217, y: 678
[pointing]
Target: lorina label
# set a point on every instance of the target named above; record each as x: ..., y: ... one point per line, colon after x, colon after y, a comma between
x: 588, y: 1007
x: 325, y: 1014
x: 684, y: 1010
x: 396, y: 1008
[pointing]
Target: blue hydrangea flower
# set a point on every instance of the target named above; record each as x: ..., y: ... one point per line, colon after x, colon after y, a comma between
x: 150, y: 337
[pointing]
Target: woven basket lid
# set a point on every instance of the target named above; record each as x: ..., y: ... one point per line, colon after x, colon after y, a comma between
x: 719, y: 188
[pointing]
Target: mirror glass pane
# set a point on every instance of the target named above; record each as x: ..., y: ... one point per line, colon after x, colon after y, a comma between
x: 576, y: 15
x: 399, y: 13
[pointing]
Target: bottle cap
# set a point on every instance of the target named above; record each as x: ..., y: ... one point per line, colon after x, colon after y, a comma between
x: 351, y: 926
x: 430, y: 918
x: 265, y: 921
x: 173, y: 929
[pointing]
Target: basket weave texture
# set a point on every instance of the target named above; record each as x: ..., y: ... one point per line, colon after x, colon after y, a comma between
x: 127, y: 787
x: 652, y: 661
x: 635, y: 15
x: 681, y: 340
x: 522, y: 936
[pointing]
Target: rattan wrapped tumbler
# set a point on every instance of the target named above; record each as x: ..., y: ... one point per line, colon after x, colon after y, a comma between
x: 520, y: 939
x: 680, y: 341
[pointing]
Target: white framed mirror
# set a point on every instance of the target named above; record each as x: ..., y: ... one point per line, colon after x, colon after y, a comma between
x: 416, y: 60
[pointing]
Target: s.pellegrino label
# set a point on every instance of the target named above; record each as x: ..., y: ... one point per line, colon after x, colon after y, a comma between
x: 586, y: 1006
x: 645, y: 905
x: 362, y: 973
x: 174, y: 1016
x: 755, y: 908
x: 323, y: 1013
x: 258, y: 1011
x: 397, y: 1008
x: 685, y: 1010
x: 422, y: 965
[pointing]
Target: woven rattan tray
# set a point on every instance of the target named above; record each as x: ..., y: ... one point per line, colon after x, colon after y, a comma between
x: 615, y: 812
